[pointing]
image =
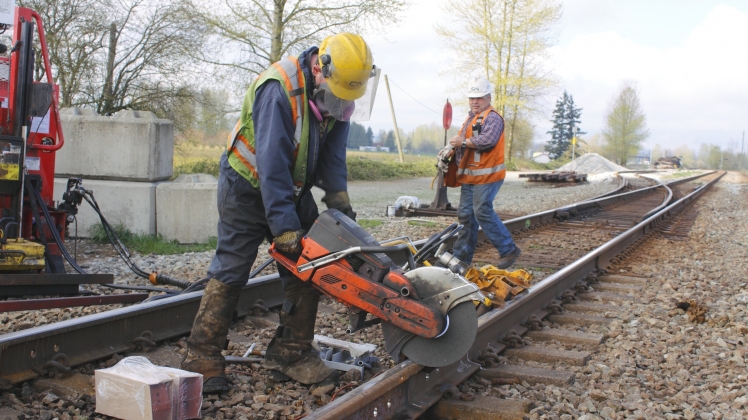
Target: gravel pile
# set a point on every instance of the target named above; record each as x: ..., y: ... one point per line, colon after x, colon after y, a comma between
x: 655, y: 363
x: 591, y: 163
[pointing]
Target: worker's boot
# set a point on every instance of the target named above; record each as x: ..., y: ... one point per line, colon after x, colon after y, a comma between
x: 208, y: 336
x: 290, y: 352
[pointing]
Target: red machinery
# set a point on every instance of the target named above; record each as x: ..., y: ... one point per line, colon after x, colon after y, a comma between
x: 32, y: 226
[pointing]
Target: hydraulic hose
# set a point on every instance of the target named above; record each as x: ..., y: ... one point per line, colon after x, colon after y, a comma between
x: 36, y: 197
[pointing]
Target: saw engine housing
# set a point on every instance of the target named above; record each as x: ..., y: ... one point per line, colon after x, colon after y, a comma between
x: 346, y: 263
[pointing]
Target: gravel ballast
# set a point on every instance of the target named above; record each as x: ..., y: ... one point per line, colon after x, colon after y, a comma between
x: 655, y: 363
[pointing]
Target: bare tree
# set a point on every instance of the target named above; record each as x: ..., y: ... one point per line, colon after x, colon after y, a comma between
x: 260, y: 32
x: 626, y: 124
x: 147, y: 60
x: 75, y: 31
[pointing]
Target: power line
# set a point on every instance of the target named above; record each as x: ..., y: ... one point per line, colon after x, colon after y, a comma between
x: 416, y: 100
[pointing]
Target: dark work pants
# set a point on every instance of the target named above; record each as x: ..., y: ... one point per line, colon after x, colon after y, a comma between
x: 242, y: 227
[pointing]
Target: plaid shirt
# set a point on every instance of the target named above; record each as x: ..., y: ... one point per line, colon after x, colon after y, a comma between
x: 492, y: 127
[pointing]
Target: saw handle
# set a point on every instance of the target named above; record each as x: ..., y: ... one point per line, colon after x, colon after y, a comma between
x: 391, y: 250
x: 287, y: 263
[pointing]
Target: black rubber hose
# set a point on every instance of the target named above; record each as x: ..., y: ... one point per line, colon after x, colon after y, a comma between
x: 69, y: 258
x: 433, y: 239
x: 444, y: 236
x: 171, y: 281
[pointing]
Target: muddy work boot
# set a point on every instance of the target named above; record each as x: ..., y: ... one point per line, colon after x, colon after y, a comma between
x: 290, y: 352
x: 208, y: 336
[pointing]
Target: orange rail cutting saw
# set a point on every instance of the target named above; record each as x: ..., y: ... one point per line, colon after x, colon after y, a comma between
x: 427, y: 313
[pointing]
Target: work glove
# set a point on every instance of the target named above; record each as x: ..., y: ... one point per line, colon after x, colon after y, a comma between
x: 442, y: 161
x: 289, y: 242
x: 339, y: 201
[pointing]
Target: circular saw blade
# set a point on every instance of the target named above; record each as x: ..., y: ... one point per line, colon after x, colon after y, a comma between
x: 449, y: 347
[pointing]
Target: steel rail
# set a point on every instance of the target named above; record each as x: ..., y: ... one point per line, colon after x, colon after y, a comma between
x: 523, y: 223
x: 100, y: 335
x: 96, y: 336
x: 408, y: 389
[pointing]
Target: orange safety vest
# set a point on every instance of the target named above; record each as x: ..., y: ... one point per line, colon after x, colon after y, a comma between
x: 481, y: 168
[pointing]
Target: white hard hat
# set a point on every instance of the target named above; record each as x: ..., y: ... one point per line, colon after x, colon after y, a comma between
x: 479, y: 87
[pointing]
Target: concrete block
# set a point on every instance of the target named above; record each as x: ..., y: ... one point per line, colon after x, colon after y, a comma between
x: 187, y: 208
x: 128, y: 146
x: 131, y: 203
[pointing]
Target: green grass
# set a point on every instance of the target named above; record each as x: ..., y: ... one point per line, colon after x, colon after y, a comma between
x: 148, y: 244
x: 365, y: 169
x: 201, y: 166
x: 369, y: 223
x: 362, y: 166
x: 422, y: 223
x: 682, y: 174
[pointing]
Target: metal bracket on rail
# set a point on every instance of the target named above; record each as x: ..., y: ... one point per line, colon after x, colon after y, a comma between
x: 453, y: 393
x: 55, y: 367
x: 514, y: 340
x: 581, y: 286
x: 488, y: 357
x: 554, y: 307
x: 534, y: 323
x: 144, y: 342
x: 259, y: 305
x: 568, y: 296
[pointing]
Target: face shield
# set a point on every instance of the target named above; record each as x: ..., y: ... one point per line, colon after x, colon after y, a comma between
x: 348, y: 110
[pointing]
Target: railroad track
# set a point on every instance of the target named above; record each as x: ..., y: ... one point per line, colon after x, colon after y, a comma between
x: 406, y: 389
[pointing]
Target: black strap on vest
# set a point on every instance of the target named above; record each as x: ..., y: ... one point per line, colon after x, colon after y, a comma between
x: 478, y: 126
x: 296, y: 92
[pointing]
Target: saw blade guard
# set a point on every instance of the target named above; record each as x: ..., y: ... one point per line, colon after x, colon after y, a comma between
x: 453, y: 296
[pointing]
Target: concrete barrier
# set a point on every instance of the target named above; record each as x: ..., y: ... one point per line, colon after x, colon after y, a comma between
x: 132, y: 204
x: 128, y: 146
x: 187, y: 208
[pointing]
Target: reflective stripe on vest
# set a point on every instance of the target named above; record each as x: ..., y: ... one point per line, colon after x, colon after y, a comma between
x: 479, y: 172
x: 481, y: 168
x: 240, y: 144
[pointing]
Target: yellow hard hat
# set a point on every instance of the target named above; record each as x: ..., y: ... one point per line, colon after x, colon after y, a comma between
x: 346, y: 63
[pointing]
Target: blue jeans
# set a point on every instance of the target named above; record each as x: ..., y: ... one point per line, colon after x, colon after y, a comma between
x: 476, y: 208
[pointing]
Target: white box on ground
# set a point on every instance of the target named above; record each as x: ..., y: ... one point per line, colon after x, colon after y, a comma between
x: 135, y: 389
x: 187, y: 208
x: 130, y: 145
x: 133, y: 204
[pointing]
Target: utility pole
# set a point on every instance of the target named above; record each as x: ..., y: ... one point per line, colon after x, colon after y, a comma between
x: 394, y: 121
x: 742, y: 153
x: 573, y: 146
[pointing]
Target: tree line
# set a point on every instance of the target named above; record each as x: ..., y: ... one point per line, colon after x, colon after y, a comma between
x: 187, y: 60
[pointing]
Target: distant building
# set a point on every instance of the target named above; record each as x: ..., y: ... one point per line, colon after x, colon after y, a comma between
x: 374, y: 149
x: 638, y: 160
x: 541, y: 157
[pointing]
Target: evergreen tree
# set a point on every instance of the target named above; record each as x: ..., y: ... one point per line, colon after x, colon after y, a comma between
x: 566, y: 117
x: 369, y: 137
x: 357, y: 136
x: 390, y: 141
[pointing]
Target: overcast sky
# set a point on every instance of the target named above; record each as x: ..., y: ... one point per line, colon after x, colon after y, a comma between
x: 689, y: 57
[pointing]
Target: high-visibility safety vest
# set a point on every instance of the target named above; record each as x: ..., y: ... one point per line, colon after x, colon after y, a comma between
x: 241, y: 141
x: 481, y: 168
